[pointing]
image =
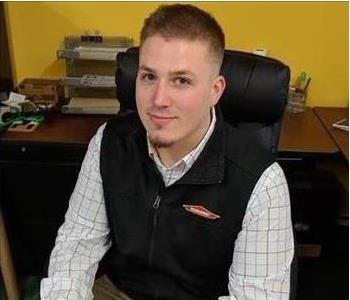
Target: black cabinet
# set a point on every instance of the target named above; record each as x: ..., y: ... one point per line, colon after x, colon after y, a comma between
x: 322, y: 244
x: 36, y: 184
x: 315, y: 196
x: 38, y: 172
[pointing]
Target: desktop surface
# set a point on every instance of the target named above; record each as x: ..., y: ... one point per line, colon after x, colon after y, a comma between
x: 301, y: 133
x: 60, y: 128
x: 330, y: 115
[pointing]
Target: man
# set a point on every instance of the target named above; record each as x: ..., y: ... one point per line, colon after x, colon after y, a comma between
x: 182, y: 202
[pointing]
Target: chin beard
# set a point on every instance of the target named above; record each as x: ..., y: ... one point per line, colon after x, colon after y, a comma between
x: 158, y: 142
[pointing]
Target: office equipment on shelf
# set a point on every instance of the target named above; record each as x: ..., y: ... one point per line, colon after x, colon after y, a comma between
x: 90, y: 80
x: 96, y: 53
x: 87, y: 47
x: 90, y: 70
x: 97, y: 47
x: 96, y: 40
x: 91, y: 106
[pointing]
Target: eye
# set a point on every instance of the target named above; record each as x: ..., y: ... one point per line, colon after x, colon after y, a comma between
x: 148, y: 77
x: 182, y: 81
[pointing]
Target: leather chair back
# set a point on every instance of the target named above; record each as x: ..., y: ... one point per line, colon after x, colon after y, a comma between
x: 254, y: 99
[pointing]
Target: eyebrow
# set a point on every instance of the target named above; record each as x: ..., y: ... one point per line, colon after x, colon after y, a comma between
x: 173, y: 73
x: 147, y: 69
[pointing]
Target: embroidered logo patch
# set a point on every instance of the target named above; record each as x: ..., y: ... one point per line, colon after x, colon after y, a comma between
x: 200, y: 211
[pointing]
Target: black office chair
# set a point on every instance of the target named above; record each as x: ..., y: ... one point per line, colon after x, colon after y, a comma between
x: 254, y: 99
x: 255, y: 95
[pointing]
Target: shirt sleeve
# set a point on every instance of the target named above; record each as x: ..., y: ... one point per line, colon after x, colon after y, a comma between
x: 264, y: 248
x: 82, y: 239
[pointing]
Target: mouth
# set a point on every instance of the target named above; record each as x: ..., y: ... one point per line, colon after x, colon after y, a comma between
x: 160, y: 119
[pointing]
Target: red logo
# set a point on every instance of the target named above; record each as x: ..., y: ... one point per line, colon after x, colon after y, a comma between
x: 200, y: 211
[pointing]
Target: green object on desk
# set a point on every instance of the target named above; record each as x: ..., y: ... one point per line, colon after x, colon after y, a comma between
x: 19, y: 119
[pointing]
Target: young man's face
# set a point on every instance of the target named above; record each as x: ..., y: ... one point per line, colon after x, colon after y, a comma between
x: 176, y: 87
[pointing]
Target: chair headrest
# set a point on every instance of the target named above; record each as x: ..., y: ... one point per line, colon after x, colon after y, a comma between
x: 256, y: 87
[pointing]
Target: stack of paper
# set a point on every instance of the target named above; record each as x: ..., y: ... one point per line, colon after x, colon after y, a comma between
x: 98, y: 53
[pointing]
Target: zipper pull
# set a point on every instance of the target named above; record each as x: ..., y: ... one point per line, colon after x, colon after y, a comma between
x: 156, y: 202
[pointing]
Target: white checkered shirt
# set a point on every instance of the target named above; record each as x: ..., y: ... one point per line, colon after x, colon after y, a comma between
x: 263, y: 251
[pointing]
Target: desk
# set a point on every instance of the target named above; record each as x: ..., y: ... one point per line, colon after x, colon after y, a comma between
x: 62, y: 138
x: 303, y: 134
x: 330, y: 115
x: 60, y: 129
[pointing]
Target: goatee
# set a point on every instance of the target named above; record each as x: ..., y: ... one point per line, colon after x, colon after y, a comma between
x: 158, y: 142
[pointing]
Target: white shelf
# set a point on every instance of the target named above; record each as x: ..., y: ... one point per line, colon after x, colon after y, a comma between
x: 89, y: 80
x: 91, y: 106
x: 91, y: 53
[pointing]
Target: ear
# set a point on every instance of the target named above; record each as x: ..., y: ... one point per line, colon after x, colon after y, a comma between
x: 218, y: 88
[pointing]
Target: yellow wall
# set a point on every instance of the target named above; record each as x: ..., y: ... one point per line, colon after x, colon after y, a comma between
x: 308, y: 36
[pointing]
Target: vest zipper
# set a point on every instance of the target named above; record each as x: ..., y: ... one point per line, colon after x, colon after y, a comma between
x: 156, y: 205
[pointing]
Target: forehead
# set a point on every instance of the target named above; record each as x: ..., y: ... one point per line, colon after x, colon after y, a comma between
x: 174, y: 54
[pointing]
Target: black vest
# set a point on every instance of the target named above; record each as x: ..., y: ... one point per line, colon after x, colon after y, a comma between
x: 159, y: 249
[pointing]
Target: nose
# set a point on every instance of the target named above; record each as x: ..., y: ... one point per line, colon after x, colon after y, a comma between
x: 161, y: 97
